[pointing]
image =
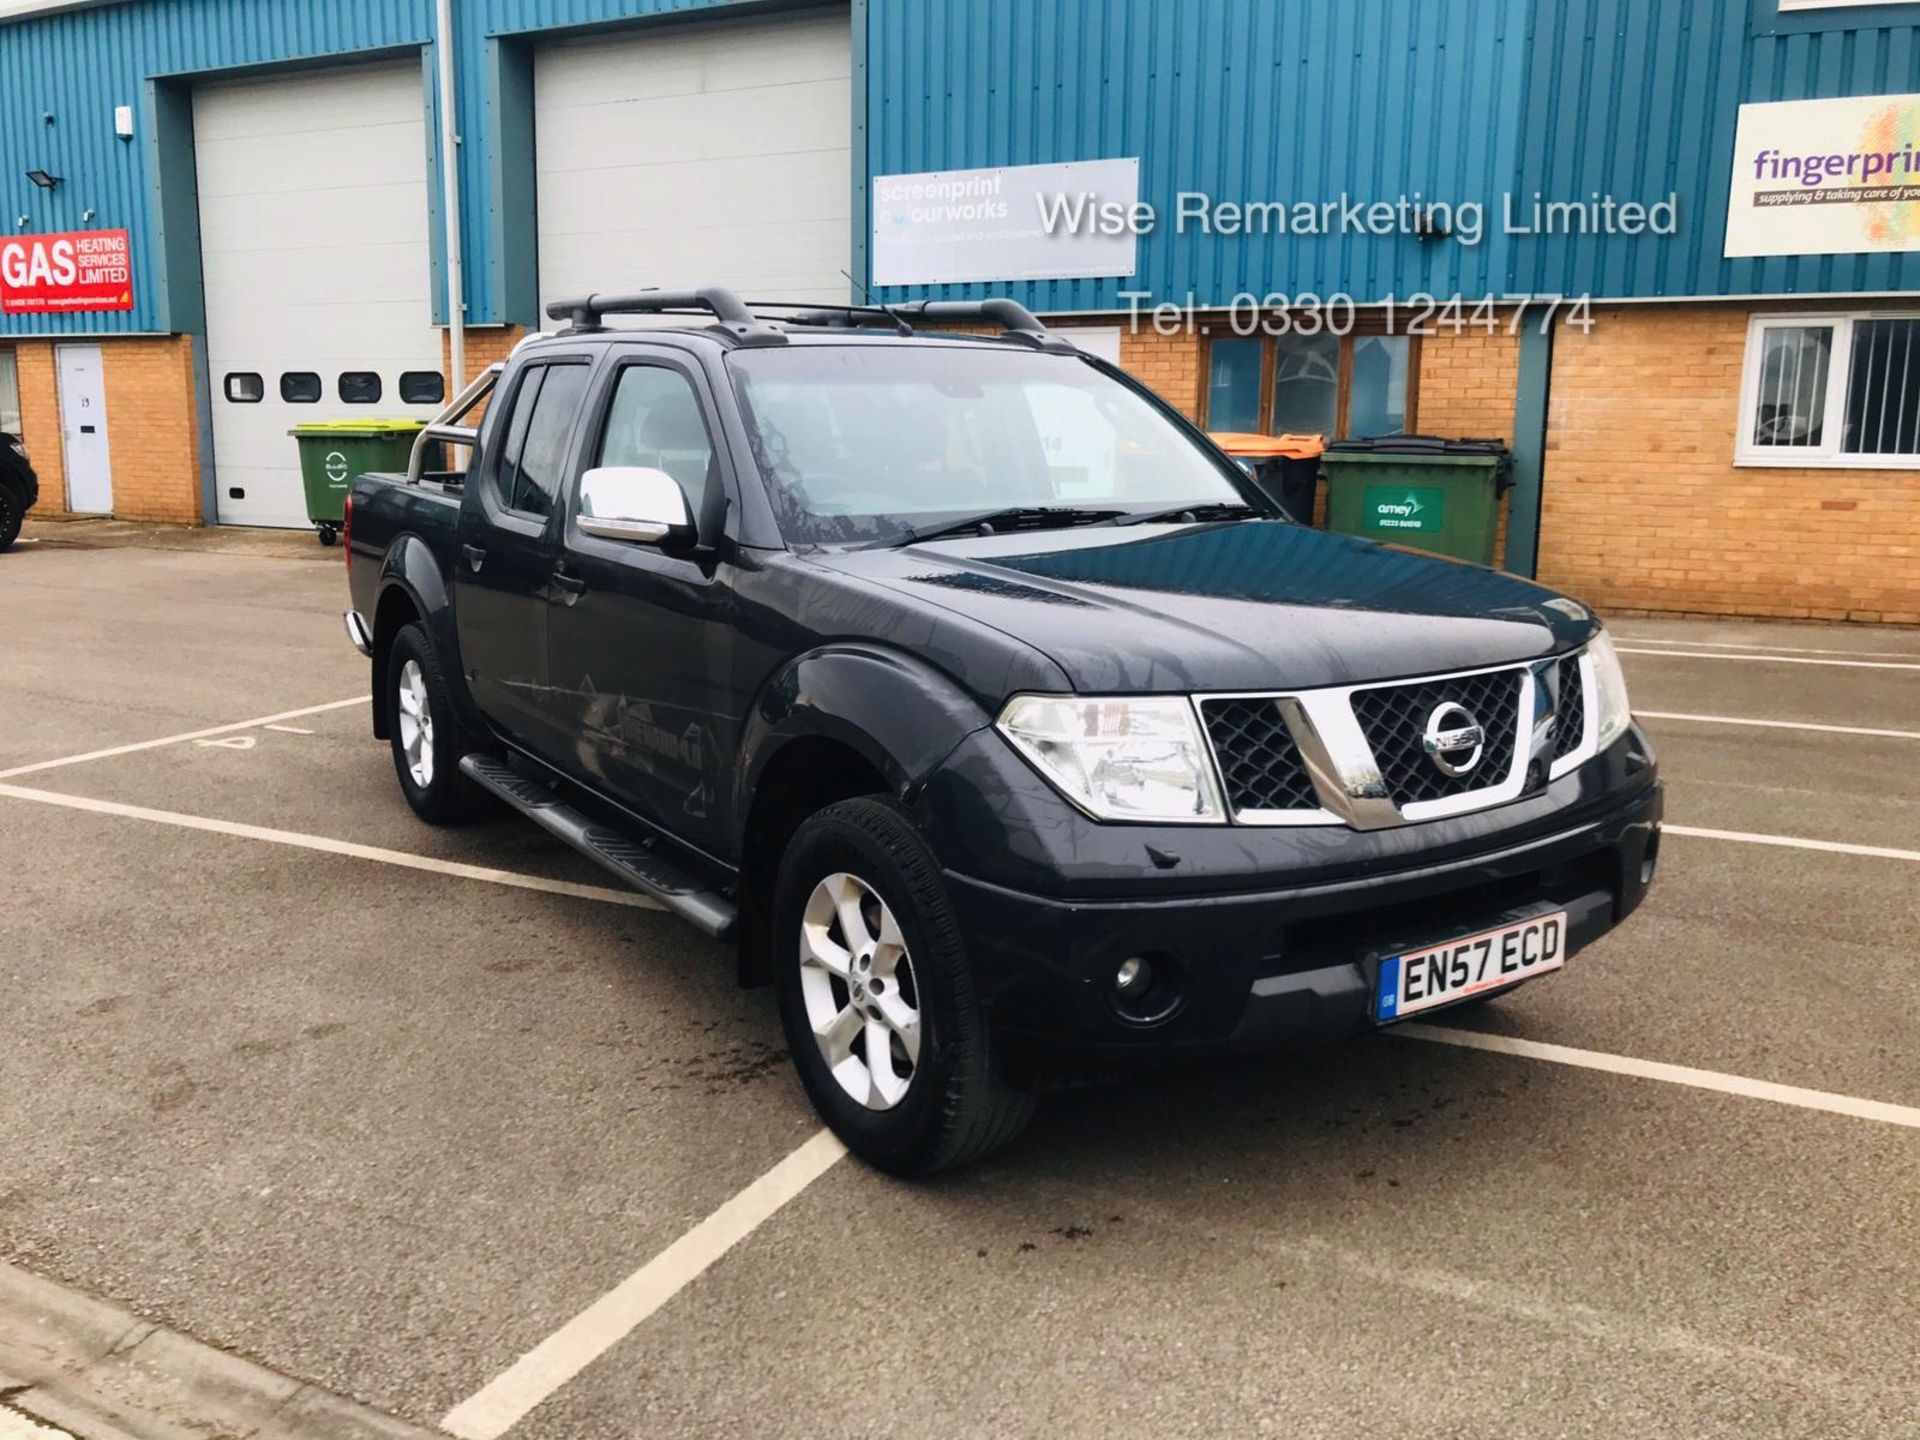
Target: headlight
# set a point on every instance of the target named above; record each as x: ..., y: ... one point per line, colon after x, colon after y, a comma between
x: 1116, y: 758
x: 19, y: 446
x: 1611, y: 712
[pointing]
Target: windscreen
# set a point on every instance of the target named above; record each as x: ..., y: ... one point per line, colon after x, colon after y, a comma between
x: 871, y: 442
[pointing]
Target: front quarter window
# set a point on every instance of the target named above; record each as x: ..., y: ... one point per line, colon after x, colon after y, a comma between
x: 869, y: 442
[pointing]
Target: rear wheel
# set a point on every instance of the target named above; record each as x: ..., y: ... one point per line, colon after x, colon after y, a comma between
x: 426, y: 737
x: 877, y: 998
x: 12, y: 512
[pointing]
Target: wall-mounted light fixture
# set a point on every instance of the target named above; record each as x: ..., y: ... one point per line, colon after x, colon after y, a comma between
x: 23, y: 221
x: 42, y: 178
x: 123, y: 121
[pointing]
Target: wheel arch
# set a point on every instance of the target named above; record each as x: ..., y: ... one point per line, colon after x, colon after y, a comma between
x: 412, y: 588
x: 835, y: 723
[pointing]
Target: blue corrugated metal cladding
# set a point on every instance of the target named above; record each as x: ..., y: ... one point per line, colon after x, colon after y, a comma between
x: 1456, y: 100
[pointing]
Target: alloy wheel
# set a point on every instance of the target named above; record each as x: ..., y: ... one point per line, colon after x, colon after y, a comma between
x: 416, y: 724
x: 856, y: 979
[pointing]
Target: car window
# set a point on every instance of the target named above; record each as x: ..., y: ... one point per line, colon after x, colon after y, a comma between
x: 507, y: 473
x: 1079, y: 441
x: 869, y: 442
x: 545, y: 451
x: 655, y: 421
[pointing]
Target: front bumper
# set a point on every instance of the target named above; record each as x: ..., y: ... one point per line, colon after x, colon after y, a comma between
x: 1282, y: 965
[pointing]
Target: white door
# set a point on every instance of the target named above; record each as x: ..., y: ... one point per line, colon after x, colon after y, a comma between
x: 83, y: 429
x: 711, y: 154
x: 315, y: 239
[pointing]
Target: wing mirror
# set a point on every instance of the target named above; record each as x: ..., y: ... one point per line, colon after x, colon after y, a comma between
x: 634, y: 503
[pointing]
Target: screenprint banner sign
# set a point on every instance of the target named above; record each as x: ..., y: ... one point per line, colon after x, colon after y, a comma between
x: 949, y: 226
x: 1826, y: 177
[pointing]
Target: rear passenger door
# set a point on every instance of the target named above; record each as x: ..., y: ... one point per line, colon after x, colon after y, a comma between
x: 508, y: 538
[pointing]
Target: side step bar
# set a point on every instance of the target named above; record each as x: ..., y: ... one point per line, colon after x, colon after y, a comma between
x: 641, y: 867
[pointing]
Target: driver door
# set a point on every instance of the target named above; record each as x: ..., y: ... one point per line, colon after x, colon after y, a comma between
x: 641, y: 638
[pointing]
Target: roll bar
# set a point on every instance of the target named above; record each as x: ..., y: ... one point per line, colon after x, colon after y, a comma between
x: 445, y: 426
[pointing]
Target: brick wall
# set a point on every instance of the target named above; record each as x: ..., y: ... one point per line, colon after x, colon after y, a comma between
x: 40, y: 420
x: 152, y: 429
x: 484, y: 346
x: 1467, y: 384
x: 1168, y: 364
x: 1643, y: 508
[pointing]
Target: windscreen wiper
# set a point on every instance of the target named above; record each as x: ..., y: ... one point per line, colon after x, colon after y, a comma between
x: 1018, y: 517
x: 1211, y: 510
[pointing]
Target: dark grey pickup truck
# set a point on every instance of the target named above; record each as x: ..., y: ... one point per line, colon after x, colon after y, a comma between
x: 19, y: 488
x: 982, y: 704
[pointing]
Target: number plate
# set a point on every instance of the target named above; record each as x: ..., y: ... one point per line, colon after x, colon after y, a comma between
x: 1417, y: 980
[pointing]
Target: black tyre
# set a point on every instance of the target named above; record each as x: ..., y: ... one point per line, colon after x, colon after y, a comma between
x: 12, y: 512
x: 877, y: 998
x: 426, y: 737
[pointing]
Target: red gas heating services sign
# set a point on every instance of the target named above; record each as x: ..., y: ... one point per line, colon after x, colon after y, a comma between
x: 58, y: 274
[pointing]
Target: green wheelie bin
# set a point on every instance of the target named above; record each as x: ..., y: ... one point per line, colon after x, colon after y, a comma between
x: 332, y: 452
x: 1419, y: 491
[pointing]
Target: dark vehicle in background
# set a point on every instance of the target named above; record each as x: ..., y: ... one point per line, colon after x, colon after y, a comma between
x: 19, y: 488
x: 988, y: 710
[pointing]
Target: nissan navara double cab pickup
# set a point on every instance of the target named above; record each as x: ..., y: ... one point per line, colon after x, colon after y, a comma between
x: 19, y: 488
x: 984, y: 708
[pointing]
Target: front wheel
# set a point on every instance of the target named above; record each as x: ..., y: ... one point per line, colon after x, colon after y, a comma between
x: 877, y: 998
x: 426, y: 737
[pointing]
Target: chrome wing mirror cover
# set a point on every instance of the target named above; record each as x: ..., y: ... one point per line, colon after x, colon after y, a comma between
x: 636, y: 504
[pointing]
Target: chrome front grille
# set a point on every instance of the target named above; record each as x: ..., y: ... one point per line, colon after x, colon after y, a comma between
x: 1394, y: 720
x: 1360, y: 754
x: 1259, y: 762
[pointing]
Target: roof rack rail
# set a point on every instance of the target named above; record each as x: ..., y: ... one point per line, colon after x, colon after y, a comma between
x: 839, y: 317
x: 1020, y: 323
x: 730, y: 314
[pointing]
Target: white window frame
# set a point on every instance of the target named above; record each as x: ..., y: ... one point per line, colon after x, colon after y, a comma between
x: 1827, y: 454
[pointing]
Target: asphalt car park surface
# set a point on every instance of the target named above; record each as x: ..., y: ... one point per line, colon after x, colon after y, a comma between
x: 390, y: 1128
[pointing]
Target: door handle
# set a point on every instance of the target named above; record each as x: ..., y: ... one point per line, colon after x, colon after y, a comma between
x: 571, y: 587
x: 476, y: 557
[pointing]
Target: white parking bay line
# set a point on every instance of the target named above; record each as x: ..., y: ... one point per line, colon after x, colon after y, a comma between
x: 1768, y: 659
x: 1725, y: 1084
x: 1776, y: 724
x: 1770, y: 649
x: 180, y: 739
x: 330, y: 846
x: 492, y: 1411
x: 1792, y: 842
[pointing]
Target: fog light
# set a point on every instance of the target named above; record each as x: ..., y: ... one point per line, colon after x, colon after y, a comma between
x: 1134, y: 977
x: 1148, y: 988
